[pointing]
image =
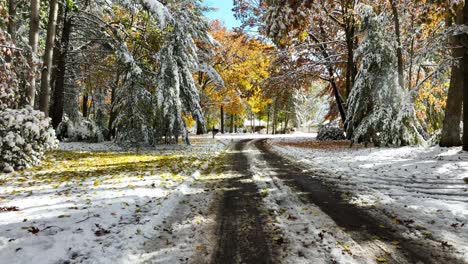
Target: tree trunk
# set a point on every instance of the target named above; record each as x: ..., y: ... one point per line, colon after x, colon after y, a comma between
x: 33, y: 42
x: 451, y: 126
x: 396, y: 21
x: 85, y: 104
x: 350, y: 65
x: 275, y: 114
x: 200, y: 127
x: 252, y: 118
x: 235, y: 124
x: 12, y: 19
x: 231, y: 129
x: 222, y: 120
x: 268, y: 118
x: 284, y: 125
x: 338, y: 98
x: 59, y: 90
x: 113, y: 113
x: 47, y: 67
x: 411, y: 55
x: 465, y: 79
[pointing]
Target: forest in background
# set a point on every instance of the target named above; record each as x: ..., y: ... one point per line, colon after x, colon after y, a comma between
x: 150, y: 72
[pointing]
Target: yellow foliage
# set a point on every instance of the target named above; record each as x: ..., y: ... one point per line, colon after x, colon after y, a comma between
x: 188, y: 119
x: 243, y: 63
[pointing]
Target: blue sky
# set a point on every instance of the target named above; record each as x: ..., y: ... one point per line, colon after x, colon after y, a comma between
x: 224, y: 12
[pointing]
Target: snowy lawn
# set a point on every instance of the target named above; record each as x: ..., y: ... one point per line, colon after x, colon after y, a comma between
x: 95, y: 207
x: 424, y: 190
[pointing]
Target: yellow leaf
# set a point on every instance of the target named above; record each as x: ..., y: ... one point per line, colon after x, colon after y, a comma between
x: 381, y: 260
x: 200, y: 248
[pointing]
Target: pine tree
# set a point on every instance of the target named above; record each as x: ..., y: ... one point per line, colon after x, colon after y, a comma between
x: 380, y: 110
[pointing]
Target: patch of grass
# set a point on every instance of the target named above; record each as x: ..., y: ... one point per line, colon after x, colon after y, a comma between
x: 72, y: 168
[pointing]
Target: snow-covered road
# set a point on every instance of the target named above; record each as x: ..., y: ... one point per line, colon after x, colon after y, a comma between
x: 275, y: 200
x: 423, y: 191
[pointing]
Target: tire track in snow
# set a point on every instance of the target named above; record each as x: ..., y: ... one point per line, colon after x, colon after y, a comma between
x: 362, y: 226
x: 241, y: 234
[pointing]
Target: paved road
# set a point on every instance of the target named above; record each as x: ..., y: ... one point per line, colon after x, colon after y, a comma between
x: 243, y: 238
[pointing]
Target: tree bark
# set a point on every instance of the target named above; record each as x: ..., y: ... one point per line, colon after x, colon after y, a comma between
x: 33, y: 42
x: 268, y: 118
x: 451, y: 126
x: 465, y: 79
x: 286, y: 122
x: 85, y: 104
x: 235, y: 124
x: 350, y: 33
x: 12, y: 19
x: 113, y: 113
x: 411, y: 54
x: 350, y: 66
x: 59, y: 90
x: 396, y: 21
x: 200, y: 127
x: 231, y: 129
x: 222, y: 120
x: 275, y: 114
x: 47, y: 67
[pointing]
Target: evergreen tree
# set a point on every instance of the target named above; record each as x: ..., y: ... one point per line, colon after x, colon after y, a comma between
x: 380, y: 111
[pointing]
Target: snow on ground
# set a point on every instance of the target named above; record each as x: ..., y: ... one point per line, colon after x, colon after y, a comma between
x: 235, y: 136
x: 424, y: 189
x: 91, y: 206
x: 198, y: 142
x: 303, y: 224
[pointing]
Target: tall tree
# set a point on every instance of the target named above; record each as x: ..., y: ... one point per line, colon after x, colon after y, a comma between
x: 48, y: 52
x: 33, y: 42
x: 380, y: 110
x: 12, y: 4
x: 465, y: 79
x: 451, y: 126
x: 399, y: 48
x: 350, y: 33
x: 59, y: 88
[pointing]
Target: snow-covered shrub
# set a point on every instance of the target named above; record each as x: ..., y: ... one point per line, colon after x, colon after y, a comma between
x: 83, y: 130
x: 25, y: 135
x: 64, y: 129
x: 328, y: 133
x: 380, y: 111
x: 12, y: 67
x: 86, y: 130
